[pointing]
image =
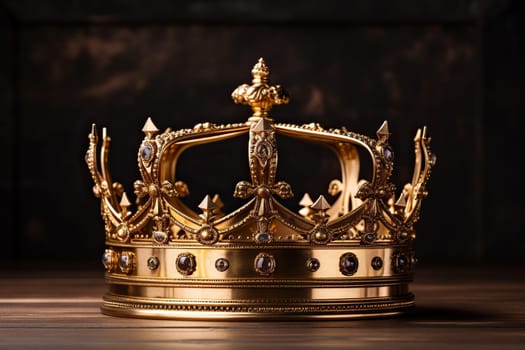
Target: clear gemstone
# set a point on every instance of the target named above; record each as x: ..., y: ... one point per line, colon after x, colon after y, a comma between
x: 433, y: 159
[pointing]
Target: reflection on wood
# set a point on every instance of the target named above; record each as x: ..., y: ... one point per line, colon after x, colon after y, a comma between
x: 463, y: 308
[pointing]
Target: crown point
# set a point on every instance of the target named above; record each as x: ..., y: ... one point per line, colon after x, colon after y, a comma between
x: 207, y: 204
x: 124, y: 201
x: 217, y: 201
x: 306, y: 201
x: 383, y: 133
x: 321, y: 204
x: 401, y: 201
x: 417, y: 138
x: 149, y: 128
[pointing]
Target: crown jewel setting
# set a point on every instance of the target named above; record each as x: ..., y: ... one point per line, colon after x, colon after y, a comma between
x: 349, y: 258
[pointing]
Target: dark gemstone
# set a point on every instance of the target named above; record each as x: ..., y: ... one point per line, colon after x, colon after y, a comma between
x: 222, y: 264
x: 370, y: 237
x: 126, y: 262
x: 160, y: 236
x: 388, y: 153
x: 264, y: 264
x: 108, y: 259
x: 313, y: 264
x: 401, y: 263
x: 433, y: 159
x: 186, y: 263
x: 263, y: 237
x: 377, y: 263
x: 348, y: 264
x: 153, y: 263
x: 147, y: 152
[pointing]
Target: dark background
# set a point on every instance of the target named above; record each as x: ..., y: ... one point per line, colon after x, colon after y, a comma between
x: 456, y: 66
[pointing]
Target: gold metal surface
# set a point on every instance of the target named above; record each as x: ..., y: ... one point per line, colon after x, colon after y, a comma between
x: 351, y: 258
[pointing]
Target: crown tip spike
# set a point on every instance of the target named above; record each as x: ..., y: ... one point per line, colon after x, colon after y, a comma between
x: 217, y: 201
x: 417, y: 138
x: 383, y: 133
x: 401, y: 201
x: 124, y: 201
x: 93, y: 135
x: 321, y: 204
x: 424, y: 133
x: 207, y: 204
x: 306, y: 201
x: 149, y: 128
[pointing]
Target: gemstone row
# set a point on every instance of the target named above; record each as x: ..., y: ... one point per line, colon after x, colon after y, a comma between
x: 264, y: 263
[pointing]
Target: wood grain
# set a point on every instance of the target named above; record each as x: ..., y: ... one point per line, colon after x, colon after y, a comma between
x: 469, y: 308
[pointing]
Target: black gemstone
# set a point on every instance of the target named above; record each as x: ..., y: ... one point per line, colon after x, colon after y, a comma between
x: 186, y: 263
x: 377, y: 263
x: 313, y: 264
x: 264, y: 264
x: 222, y: 264
x: 370, y: 237
x: 348, y: 264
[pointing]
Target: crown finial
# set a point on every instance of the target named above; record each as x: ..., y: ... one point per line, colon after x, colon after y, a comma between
x: 260, y: 72
x: 149, y: 128
x: 260, y: 96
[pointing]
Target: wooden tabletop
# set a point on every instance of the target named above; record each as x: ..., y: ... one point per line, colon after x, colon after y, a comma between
x: 457, y: 308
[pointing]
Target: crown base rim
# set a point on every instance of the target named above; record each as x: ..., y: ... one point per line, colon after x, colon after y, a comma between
x: 123, y: 306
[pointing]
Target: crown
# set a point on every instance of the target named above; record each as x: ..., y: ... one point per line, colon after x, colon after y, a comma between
x: 350, y: 258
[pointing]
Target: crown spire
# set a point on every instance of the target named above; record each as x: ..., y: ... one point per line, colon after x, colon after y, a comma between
x: 149, y: 128
x: 260, y: 96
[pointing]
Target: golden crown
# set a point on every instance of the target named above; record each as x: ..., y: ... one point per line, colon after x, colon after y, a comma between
x: 351, y: 258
